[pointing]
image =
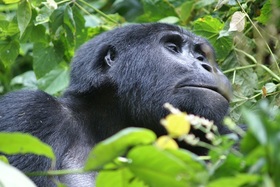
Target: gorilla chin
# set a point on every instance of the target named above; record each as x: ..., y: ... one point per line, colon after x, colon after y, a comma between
x: 207, y: 103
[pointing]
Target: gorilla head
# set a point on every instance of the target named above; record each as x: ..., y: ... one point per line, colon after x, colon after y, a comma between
x: 130, y: 72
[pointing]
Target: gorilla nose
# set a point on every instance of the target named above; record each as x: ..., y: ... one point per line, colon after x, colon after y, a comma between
x: 209, y: 68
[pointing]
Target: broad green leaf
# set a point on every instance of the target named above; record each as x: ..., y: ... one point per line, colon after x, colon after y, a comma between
x: 109, y: 149
x: 56, y: 18
x: 186, y: 10
x: 68, y: 19
x: 266, y: 12
x: 20, y: 143
x: 38, y: 34
x: 210, y: 28
x: 9, y: 52
x: 55, y: 81
x: 160, y: 168
x: 46, y: 58
x: 235, y: 181
x: 118, y: 178
x: 24, y: 14
x: 12, y: 177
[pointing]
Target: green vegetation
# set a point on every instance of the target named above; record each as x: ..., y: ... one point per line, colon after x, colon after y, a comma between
x: 39, y: 38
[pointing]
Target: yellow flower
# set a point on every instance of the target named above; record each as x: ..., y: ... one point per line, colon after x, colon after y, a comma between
x: 177, y: 124
x: 166, y: 142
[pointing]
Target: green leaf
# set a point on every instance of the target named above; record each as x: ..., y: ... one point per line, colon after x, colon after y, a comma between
x: 19, y: 143
x: 24, y: 14
x: 46, y: 58
x: 55, y: 81
x: 9, y: 52
x: 118, y: 178
x: 56, y: 19
x: 210, y: 28
x: 10, y: 1
x: 266, y: 13
x: 81, y: 30
x: 156, y: 10
x: 186, y: 10
x: 160, y: 168
x: 24, y: 80
x: 68, y: 19
x: 11, y: 176
x: 235, y: 181
x: 256, y: 126
x: 109, y: 149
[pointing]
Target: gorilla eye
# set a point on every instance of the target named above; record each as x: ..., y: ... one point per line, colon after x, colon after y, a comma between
x: 173, y: 47
x: 172, y: 42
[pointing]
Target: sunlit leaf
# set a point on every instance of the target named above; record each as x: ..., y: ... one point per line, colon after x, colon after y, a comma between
x: 210, y: 27
x: 10, y: 1
x: 118, y: 178
x: 109, y: 149
x: 19, y: 143
x: 235, y: 181
x: 266, y: 12
x: 160, y: 168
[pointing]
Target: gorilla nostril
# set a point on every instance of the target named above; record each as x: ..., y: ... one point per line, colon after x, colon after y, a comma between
x: 207, y: 67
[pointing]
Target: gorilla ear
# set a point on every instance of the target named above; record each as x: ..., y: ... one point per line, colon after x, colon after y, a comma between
x: 110, y: 56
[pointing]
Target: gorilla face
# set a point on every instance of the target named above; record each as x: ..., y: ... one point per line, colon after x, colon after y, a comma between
x: 170, y: 66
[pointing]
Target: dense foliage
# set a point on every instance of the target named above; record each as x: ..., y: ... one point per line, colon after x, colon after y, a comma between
x: 38, y: 39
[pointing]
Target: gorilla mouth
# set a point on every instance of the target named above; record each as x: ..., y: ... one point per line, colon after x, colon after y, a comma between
x: 212, y: 88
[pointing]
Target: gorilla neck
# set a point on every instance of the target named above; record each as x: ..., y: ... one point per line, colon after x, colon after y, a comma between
x: 99, y: 113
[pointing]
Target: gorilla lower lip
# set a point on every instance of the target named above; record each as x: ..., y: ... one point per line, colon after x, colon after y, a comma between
x: 212, y: 88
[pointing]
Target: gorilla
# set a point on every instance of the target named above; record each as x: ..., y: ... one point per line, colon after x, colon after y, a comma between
x: 121, y: 78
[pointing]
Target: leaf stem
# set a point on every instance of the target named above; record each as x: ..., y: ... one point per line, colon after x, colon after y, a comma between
x: 98, y: 11
x: 56, y: 172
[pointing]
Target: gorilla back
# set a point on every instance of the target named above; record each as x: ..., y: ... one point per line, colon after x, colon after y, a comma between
x: 120, y: 78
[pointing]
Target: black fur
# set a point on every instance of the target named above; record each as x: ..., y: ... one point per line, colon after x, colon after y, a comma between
x: 119, y: 79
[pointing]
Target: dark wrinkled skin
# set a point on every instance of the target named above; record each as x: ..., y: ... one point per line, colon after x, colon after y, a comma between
x: 119, y: 79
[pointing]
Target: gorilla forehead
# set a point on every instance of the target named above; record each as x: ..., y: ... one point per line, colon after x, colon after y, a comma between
x: 128, y: 35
